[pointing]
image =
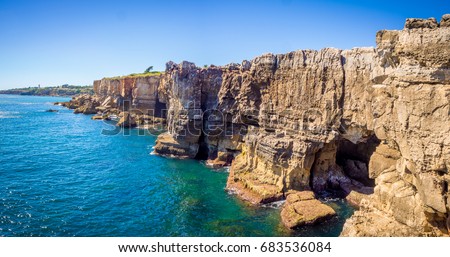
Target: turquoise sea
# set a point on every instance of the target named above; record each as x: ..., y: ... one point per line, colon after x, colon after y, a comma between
x: 59, y: 176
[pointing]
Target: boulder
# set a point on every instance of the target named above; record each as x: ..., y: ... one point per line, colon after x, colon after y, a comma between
x: 101, y: 108
x: 445, y: 20
x: 127, y: 121
x: 301, y: 208
x: 86, y: 109
x: 223, y: 159
x: 413, y: 23
x: 356, y: 198
x: 216, y: 163
x: 98, y: 117
x: 85, y: 104
x: 167, y: 145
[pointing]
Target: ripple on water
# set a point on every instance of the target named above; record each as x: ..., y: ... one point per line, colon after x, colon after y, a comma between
x: 9, y: 115
x: 61, y: 177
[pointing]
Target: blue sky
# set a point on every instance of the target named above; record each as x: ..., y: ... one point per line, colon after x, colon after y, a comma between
x: 75, y: 42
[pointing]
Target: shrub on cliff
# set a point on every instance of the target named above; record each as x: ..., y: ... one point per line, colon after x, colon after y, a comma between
x: 149, y: 69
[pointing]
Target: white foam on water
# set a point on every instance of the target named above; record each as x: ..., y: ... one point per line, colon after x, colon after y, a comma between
x: 9, y: 115
x: 231, y: 191
x: 274, y: 205
x: 330, y: 199
x: 225, y: 169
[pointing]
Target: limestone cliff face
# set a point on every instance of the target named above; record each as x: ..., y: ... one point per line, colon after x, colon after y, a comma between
x: 188, y: 92
x: 368, y: 124
x: 410, y: 99
x: 288, y: 120
x: 372, y: 123
x: 137, y: 92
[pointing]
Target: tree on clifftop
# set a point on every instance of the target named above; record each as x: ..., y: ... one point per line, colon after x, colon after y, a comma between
x: 148, y: 69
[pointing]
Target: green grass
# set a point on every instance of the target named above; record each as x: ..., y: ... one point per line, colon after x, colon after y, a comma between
x: 137, y: 75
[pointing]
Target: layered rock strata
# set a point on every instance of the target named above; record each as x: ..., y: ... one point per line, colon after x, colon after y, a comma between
x: 139, y: 93
x: 370, y: 124
x: 132, y: 99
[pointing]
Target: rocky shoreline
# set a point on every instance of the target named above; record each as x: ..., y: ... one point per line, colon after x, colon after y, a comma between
x: 369, y: 124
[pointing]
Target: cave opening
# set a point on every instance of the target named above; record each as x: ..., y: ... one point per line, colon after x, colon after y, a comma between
x: 160, y: 109
x: 203, y: 149
x: 354, y: 159
x: 342, y: 166
x: 126, y: 104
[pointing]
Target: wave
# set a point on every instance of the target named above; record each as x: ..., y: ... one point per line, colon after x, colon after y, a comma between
x: 9, y: 115
x: 225, y: 169
x: 274, y: 205
x: 330, y: 199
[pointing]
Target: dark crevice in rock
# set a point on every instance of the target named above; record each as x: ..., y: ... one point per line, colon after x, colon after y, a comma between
x: 312, y: 175
x: 340, y: 168
x: 250, y: 118
x: 203, y: 150
x: 448, y: 224
x: 125, y: 105
x: 342, y: 97
x: 354, y: 159
x: 160, y: 109
x: 361, y: 151
x: 445, y: 195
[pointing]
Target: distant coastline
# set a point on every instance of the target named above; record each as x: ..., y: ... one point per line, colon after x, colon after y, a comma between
x: 63, y: 90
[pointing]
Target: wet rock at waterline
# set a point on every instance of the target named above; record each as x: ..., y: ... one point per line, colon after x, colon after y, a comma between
x: 302, y: 208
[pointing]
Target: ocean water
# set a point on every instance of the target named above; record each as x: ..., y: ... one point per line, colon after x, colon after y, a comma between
x: 60, y: 176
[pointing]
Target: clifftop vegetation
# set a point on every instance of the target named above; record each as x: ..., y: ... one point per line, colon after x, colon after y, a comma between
x: 63, y: 90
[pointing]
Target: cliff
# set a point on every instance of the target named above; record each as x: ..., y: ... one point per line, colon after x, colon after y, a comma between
x: 368, y: 124
x: 130, y: 92
x: 133, y: 98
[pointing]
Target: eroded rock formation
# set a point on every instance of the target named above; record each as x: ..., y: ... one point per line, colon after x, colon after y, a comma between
x: 372, y: 124
x: 302, y: 208
x: 290, y: 117
x: 132, y: 99
x: 85, y: 104
x: 137, y: 92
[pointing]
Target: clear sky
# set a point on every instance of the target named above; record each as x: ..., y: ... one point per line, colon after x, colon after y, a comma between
x: 75, y: 42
